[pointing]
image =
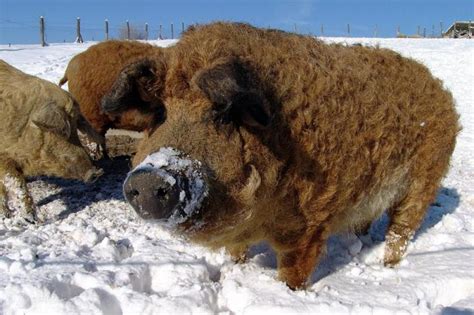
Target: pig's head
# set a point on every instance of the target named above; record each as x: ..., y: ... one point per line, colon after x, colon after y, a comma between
x: 134, y: 100
x: 206, y: 163
x: 54, y: 142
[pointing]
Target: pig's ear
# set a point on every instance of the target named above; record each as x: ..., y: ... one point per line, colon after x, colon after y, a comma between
x: 138, y: 85
x: 228, y: 84
x: 53, y: 118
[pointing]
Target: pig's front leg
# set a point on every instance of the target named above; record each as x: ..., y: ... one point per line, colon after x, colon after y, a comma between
x: 4, y: 210
x: 11, y: 178
x: 296, y: 265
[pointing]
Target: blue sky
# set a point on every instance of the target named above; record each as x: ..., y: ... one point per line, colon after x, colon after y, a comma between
x: 19, y: 19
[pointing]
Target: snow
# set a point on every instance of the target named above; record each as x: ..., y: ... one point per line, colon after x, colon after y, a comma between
x: 92, y: 255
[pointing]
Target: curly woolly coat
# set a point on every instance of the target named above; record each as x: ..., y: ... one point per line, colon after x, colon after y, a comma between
x: 305, y: 139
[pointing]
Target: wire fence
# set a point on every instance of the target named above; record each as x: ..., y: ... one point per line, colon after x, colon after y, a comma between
x: 68, y: 32
x: 59, y: 32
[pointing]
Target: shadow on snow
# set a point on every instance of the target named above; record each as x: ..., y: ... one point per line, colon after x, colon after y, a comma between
x: 337, y: 255
x: 76, y: 195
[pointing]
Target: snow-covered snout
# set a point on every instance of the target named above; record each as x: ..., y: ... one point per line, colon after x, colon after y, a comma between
x: 166, y: 185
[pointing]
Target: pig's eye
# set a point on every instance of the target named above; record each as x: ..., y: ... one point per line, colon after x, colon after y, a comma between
x: 243, y: 109
x: 221, y: 114
x: 160, y: 115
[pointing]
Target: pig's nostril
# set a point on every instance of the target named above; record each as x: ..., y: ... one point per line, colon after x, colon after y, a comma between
x: 134, y: 193
x: 161, y: 192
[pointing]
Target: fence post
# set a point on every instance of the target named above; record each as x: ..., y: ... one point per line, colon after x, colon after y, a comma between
x: 424, y: 32
x: 322, y: 29
x: 182, y: 28
x: 146, y: 31
x: 296, y: 29
x: 172, y: 31
x: 106, y: 29
x: 42, y: 30
x: 441, y: 28
x: 128, y: 30
x: 418, y: 32
x: 348, y: 30
x: 78, y: 31
x: 398, y: 30
x: 376, y: 30
x: 160, y: 35
x: 432, y: 31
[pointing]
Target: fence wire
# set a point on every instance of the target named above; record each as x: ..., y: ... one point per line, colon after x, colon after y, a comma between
x: 66, y: 32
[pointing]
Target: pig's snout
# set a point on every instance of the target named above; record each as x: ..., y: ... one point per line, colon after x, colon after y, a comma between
x: 167, y: 185
x: 153, y: 196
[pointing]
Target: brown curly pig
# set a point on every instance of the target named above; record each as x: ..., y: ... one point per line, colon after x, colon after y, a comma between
x: 280, y: 137
x: 91, y: 74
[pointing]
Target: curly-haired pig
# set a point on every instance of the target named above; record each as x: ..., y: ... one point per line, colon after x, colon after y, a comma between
x: 280, y: 137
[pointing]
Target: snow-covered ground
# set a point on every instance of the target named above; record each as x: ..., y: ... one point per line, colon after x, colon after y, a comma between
x: 93, y: 256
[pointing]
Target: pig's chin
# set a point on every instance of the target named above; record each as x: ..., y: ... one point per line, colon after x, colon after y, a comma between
x: 179, y: 218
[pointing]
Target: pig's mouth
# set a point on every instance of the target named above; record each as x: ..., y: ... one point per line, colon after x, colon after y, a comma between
x: 92, y: 175
x: 167, y: 186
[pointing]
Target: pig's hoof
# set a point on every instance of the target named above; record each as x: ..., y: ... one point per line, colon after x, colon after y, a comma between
x: 390, y: 263
x: 294, y: 283
x: 395, y: 247
x: 297, y: 287
x: 392, y: 256
x: 29, y: 218
x: 238, y: 254
x: 5, y: 213
x: 239, y: 258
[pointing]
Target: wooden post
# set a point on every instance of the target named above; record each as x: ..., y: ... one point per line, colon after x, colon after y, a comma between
x: 348, y: 30
x: 398, y: 30
x: 418, y: 31
x: 296, y: 30
x: 172, y: 31
x: 42, y: 30
x: 322, y: 29
x: 146, y: 31
x: 78, y: 31
x: 375, y: 31
x: 160, y: 35
x: 432, y: 31
x: 182, y: 28
x: 424, y: 32
x: 128, y: 30
x: 441, y: 29
x: 106, y: 29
